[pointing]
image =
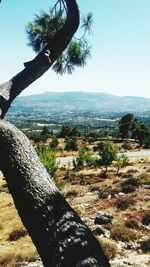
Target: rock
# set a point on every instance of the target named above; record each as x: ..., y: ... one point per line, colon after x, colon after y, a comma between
x: 37, y: 263
x: 100, y: 230
x: 103, y: 218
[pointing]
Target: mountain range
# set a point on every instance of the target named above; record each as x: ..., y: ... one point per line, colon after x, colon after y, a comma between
x: 80, y: 101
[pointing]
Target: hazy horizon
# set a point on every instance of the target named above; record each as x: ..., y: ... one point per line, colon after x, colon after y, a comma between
x: 120, y: 63
x: 83, y: 91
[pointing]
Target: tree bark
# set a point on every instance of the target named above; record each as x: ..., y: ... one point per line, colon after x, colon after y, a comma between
x: 59, y: 235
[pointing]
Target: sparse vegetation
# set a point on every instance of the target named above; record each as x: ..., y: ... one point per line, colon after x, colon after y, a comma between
x: 132, y: 223
x: 145, y: 246
x: 122, y: 233
x: 146, y: 218
x: 48, y: 158
x: 107, y: 154
x: 110, y: 248
x: 17, y: 234
x: 87, y: 193
x: 123, y: 203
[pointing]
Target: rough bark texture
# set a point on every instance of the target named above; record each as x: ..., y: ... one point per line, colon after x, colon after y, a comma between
x: 59, y: 235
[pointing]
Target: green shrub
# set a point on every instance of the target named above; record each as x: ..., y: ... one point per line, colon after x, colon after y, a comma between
x: 54, y: 143
x: 71, y: 144
x: 126, y: 145
x: 107, y: 154
x: 122, y: 161
x: 84, y: 158
x: 132, y: 181
x: 48, y: 159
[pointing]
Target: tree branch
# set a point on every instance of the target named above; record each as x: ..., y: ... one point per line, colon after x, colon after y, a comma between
x: 42, y: 62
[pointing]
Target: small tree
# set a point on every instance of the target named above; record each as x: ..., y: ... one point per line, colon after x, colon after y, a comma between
x: 125, y: 125
x: 83, y: 158
x: 122, y: 161
x: 107, y: 154
x: 54, y: 143
x: 48, y: 159
x: 142, y: 133
x: 71, y: 144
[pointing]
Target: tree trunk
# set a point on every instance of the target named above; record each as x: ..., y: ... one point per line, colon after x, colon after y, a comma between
x: 59, y: 235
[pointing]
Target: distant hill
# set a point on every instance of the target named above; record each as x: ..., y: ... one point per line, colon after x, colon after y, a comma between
x: 80, y: 101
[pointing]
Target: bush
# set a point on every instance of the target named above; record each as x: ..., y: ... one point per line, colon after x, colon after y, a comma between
x: 122, y: 233
x: 132, y: 223
x: 83, y: 158
x: 54, y: 143
x: 132, y: 181
x: 72, y: 193
x: 107, y: 154
x: 124, y: 202
x: 109, y: 247
x: 145, y: 246
x: 48, y: 159
x: 130, y: 185
x: 17, y: 233
x: 122, y: 161
x: 71, y: 145
x: 146, y: 218
x: 126, y: 146
x: 128, y: 188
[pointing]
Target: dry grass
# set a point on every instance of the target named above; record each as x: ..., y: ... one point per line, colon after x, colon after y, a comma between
x: 110, y: 248
x: 15, y: 244
x: 87, y: 193
x: 122, y: 233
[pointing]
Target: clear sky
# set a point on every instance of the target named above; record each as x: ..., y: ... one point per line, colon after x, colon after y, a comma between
x: 120, y: 62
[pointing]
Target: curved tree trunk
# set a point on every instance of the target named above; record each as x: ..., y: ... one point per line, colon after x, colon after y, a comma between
x: 59, y: 235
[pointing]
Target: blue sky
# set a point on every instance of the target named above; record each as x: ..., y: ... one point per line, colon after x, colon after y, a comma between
x: 120, y: 62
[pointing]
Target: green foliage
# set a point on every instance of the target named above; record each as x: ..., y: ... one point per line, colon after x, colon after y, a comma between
x: 46, y: 25
x: 45, y: 131
x: 122, y: 161
x: 37, y: 136
x: 125, y: 125
x: 48, y: 159
x: 132, y: 181
x: 126, y: 145
x: 54, y: 143
x: 107, y: 154
x: 84, y: 158
x: 68, y: 131
x: 71, y: 144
